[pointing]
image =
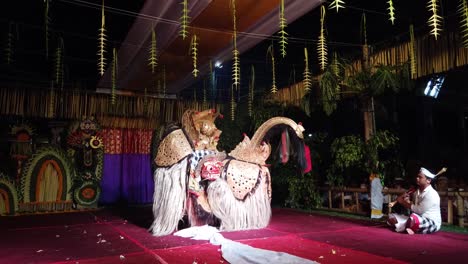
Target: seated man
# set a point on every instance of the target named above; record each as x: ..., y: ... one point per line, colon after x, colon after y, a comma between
x: 424, y: 205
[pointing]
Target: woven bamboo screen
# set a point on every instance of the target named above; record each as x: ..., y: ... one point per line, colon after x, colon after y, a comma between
x: 290, y: 95
x: 128, y: 111
x: 432, y: 56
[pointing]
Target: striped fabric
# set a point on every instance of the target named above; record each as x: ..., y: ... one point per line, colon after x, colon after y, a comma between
x: 423, y: 225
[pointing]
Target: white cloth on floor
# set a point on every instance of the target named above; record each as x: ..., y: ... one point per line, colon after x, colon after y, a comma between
x: 235, y: 252
x: 205, y: 232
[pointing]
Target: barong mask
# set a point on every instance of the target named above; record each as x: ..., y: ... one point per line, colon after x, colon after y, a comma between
x: 201, y: 128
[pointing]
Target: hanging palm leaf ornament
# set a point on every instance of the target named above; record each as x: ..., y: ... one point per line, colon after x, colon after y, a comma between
x: 9, y: 44
x: 283, y: 34
x: 184, y: 19
x: 145, y: 101
x: 307, y: 75
x: 46, y: 27
x: 58, y: 72
x: 322, y: 42
x: 114, y: 76
x: 435, y: 21
x: 51, y: 108
x: 364, y: 29
x: 235, y: 61
x: 270, y: 52
x: 335, y: 67
x: 412, y: 51
x: 391, y: 11
x: 164, y: 80
x: 195, y: 94
x: 235, y: 51
x: 152, y: 59
x: 58, y: 69
x: 463, y: 13
x: 194, y: 51
x: 233, y: 105
x: 212, y: 80
x: 336, y: 4
x: 205, y: 102
x: 102, y: 43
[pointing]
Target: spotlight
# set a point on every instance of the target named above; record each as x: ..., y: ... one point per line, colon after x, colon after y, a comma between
x: 218, y: 65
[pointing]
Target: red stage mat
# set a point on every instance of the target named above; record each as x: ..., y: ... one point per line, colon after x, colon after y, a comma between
x: 117, y: 237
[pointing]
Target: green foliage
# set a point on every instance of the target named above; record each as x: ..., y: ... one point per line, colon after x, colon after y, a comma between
x: 329, y: 84
x: 358, y: 81
x: 303, y: 192
x: 384, y: 77
x: 347, y: 151
x: 404, y: 73
x: 233, y: 130
x: 280, y: 176
x: 302, y: 188
x: 265, y: 112
x: 231, y: 135
x: 351, y: 154
x: 375, y: 80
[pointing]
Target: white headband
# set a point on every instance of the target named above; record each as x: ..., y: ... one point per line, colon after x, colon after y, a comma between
x: 427, y: 173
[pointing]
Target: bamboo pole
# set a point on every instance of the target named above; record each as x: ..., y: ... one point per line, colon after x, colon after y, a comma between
x: 460, y: 210
x: 450, y: 211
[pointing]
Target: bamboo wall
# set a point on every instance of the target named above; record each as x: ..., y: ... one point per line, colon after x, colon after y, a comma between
x: 432, y: 57
x: 290, y: 95
x: 127, y: 112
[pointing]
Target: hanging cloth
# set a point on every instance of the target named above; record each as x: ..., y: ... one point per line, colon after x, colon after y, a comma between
x: 284, y: 147
x: 308, y: 159
x: 376, y: 196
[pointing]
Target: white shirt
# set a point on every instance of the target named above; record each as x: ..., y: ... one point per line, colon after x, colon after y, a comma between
x: 427, y: 204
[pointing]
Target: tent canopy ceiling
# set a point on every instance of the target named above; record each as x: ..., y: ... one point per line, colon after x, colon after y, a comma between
x: 211, y: 21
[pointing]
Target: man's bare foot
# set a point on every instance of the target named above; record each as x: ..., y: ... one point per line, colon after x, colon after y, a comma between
x: 409, y: 222
x: 409, y: 231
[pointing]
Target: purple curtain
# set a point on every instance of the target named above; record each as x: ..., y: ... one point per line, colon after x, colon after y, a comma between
x: 127, y: 166
x: 137, y: 181
x: 110, y: 183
